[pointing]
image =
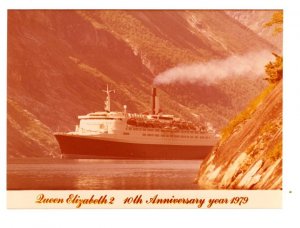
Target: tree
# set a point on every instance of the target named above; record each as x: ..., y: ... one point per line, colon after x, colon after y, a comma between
x: 274, y: 69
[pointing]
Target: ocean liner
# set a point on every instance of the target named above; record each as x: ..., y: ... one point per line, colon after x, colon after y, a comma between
x: 122, y: 135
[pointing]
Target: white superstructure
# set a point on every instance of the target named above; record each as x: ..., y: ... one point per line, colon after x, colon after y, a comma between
x: 155, y: 128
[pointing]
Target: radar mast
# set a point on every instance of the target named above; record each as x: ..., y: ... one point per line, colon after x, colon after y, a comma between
x: 107, y: 101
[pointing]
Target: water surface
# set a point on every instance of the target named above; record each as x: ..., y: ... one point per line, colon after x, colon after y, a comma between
x: 94, y: 174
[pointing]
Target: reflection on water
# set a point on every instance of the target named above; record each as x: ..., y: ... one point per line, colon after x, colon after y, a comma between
x: 93, y: 174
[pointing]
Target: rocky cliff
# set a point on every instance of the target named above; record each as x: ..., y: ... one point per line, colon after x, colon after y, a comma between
x: 249, y: 155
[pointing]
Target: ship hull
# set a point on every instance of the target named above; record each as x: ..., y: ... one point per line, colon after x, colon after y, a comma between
x: 83, y: 147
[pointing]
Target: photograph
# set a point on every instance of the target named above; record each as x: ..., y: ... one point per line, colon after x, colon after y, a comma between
x: 144, y: 99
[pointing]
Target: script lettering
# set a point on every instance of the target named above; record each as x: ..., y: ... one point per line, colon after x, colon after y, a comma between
x: 42, y: 199
x: 211, y: 202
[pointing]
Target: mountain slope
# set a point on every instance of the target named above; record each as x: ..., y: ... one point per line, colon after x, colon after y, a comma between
x: 249, y: 155
x: 59, y: 61
x: 255, y: 20
x: 28, y: 136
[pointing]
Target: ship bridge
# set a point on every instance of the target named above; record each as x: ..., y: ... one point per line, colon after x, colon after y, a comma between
x: 100, y: 122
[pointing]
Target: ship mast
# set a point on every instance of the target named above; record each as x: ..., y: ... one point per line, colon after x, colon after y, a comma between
x: 107, y: 102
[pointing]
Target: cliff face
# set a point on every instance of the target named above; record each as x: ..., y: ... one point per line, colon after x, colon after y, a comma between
x: 249, y: 155
x: 59, y: 61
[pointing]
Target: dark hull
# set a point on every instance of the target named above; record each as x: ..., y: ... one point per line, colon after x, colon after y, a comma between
x: 81, y: 147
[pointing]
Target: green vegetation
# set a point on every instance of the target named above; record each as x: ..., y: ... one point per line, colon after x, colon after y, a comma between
x: 274, y: 74
x: 277, y: 21
x: 31, y: 137
x: 269, y: 128
x: 246, y: 114
x: 160, y: 52
x: 274, y: 69
x: 275, y: 153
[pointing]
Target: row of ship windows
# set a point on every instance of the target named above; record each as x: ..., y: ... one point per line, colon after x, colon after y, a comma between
x: 159, y: 130
x: 177, y: 136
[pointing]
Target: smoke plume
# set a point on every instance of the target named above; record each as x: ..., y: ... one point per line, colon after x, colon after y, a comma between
x: 250, y: 64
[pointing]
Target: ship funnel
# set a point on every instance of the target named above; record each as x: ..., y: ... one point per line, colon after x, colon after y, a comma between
x: 155, y: 102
